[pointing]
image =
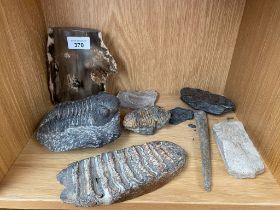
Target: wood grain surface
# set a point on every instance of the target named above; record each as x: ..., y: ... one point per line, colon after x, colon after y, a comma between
x: 159, y: 44
x: 31, y: 183
x: 23, y: 92
x: 254, y: 79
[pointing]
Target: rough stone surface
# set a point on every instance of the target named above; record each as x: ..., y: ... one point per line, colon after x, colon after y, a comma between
x: 191, y: 126
x: 146, y: 120
x: 77, y: 73
x: 137, y: 99
x: 241, y: 158
x: 202, y: 127
x: 121, y: 174
x: 206, y: 101
x: 90, y: 122
x: 179, y: 115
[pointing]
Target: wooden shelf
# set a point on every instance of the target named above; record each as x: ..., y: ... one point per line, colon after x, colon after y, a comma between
x: 31, y: 182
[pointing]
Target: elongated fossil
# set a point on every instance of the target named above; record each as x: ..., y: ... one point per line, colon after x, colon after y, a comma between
x: 202, y: 126
x: 90, y: 122
x: 121, y: 174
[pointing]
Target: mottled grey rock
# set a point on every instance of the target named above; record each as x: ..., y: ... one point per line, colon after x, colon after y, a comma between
x: 202, y: 126
x: 146, y: 120
x: 90, y: 122
x: 137, y: 99
x: 179, y: 115
x: 241, y: 158
x: 206, y: 101
x: 121, y: 174
x: 77, y: 73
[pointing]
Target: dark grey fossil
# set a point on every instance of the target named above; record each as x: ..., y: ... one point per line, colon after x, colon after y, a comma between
x: 206, y: 101
x: 146, y: 120
x: 179, y: 115
x: 90, y: 122
x: 121, y: 174
x: 77, y: 73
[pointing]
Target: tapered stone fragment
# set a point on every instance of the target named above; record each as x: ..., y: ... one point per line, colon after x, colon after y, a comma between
x: 206, y: 101
x: 137, y: 99
x: 121, y: 174
x: 78, y: 63
x: 241, y: 158
x: 90, y: 122
x: 146, y: 120
x: 202, y: 127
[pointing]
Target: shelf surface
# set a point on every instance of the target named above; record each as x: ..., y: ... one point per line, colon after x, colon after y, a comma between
x: 31, y: 182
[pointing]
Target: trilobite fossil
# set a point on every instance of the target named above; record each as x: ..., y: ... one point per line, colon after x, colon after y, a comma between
x: 146, y: 120
x: 121, y: 174
x: 90, y: 122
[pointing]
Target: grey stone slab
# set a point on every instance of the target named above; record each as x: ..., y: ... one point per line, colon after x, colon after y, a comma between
x: 137, y: 99
x: 121, y: 174
x: 240, y: 156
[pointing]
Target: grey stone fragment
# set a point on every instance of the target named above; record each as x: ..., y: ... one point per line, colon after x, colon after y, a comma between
x: 146, y: 120
x: 121, y: 174
x: 191, y: 125
x: 206, y: 101
x: 90, y: 122
x: 241, y: 158
x: 202, y: 126
x: 179, y: 115
x: 137, y: 99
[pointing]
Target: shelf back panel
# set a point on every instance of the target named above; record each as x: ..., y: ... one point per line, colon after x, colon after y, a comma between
x: 163, y: 45
x: 24, y: 94
x: 254, y: 78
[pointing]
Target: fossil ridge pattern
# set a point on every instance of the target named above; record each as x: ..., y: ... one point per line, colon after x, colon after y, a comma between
x: 90, y: 122
x: 137, y: 99
x: 146, y: 120
x: 77, y: 73
x: 206, y: 101
x: 121, y: 174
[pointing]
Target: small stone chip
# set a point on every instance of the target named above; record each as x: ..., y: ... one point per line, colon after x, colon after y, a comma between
x: 179, y: 115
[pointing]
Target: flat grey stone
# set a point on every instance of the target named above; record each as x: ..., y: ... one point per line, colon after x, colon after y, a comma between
x: 90, y: 122
x: 146, y: 120
x: 121, y: 174
x: 206, y: 101
x: 137, y: 99
x: 240, y: 156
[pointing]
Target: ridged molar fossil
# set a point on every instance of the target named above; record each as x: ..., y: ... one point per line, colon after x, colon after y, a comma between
x: 77, y: 73
x: 121, y: 174
x: 146, y: 120
x: 90, y: 122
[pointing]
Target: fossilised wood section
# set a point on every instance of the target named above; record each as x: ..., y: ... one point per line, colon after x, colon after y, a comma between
x: 89, y: 122
x: 202, y: 127
x: 122, y: 174
x: 77, y: 73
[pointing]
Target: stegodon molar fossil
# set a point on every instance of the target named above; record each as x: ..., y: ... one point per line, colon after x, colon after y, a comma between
x: 75, y: 73
x: 121, y: 174
x: 90, y: 122
x: 146, y: 120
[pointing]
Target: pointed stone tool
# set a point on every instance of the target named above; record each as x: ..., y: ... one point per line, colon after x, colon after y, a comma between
x: 202, y: 126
